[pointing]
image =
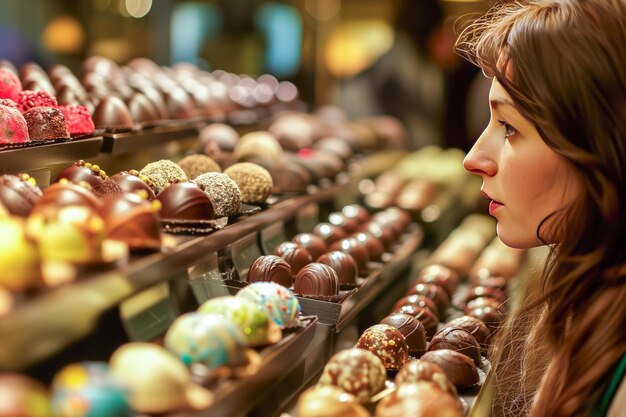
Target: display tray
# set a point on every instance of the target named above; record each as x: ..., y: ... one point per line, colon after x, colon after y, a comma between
x: 237, y: 397
x: 117, y: 143
x: 42, y: 155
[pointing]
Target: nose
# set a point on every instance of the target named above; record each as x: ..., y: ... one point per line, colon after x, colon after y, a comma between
x: 479, y: 160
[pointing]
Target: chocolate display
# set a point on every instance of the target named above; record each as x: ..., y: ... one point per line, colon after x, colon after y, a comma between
x: 81, y: 171
x: 375, y: 248
x: 316, y: 279
x: 271, y: 268
x: 222, y: 191
x: 131, y: 181
x: 344, y: 265
x: 156, y: 380
x: 424, y: 315
x: 19, y: 393
x: 12, y: 125
x: 185, y: 201
x: 440, y: 275
x: 19, y: 194
x: 254, y: 181
x: 132, y: 220
x: 329, y: 401
x: 46, y: 123
x: 460, y: 370
x: 459, y: 340
x: 222, y: 135
x: 357, y: 371
x: 255, y: 324
x: 435, y: 293
x: 314, y: 244
x: 386, y: 342
x: 19, y: 257
x: 420, y: 399
x: 163, y: 172
x: 279, y: 302
x: 329, y: 232
x: 355, y: 249
x: 412, y: 330
x: 491, y: 316
x: 112, y: 115
x: 477, y: 328
x: 418, y: 370
x: 64, y: 193
x: 295, y: 255
x: 195, y: 165
x: 417, y: 301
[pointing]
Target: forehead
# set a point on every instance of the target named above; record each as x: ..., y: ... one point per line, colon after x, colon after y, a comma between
x: 498, y: 93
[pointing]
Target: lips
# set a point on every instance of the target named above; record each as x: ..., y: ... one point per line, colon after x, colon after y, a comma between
x: 493, y: 204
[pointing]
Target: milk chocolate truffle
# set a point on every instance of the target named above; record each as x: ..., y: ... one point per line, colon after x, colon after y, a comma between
x: 314, y: 244
x: 412, y: 330
x: 222, y: 135
x: 435, y: 293
x: 18, y: 194
x: 424, y: 315
x: 418, y: 370
x: 289, y: 177
x: 477, y: 328
x: 271, y: 268
x: 375, y: 248
x: 81, y: 171
x: 329, y: 232
x: 387, y: 343
x: 459, y: 369
x: 481, y: 302
x: 132, y: 220
x: 163, y: 172
x: 295, y: 255
x: 185, y: 201
x: 440, y: 275
x: 65, y: 193
x: 420, y: 399
x: 195, y: 165
x: 254, y: 181
x: 112, y: 115
x: 356, y: 211
x: 477, y: 291
x: 357, y: 371
x: 488, y: 315
x: 329, y: 401
x: 258, y: 144
x: 386, y: 235
x: 490, y: 282
x: 355, y: 249
x: 416, y: 300
x: 46, y: 123
x: 179, y: 103
x: 293, y: 131
x: 335, y: 145
x: 346, y: 223
x: 132, y: 181
x: 344, y: 265
x: 142, y: 109
x: 316, y: 279
x: 459, y: 340
x: 222, y: 191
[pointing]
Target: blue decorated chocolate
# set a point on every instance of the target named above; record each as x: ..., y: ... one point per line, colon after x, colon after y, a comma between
x: 280, y: 303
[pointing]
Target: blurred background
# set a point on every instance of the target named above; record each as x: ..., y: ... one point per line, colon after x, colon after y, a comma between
x: 368, y: 56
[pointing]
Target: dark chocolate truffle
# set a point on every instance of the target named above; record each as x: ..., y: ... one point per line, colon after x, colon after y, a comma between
x: 459, y: 369
x: 271, y: 268
x: 355, y: 211
x: 344, y: 265
x: 46, y: 123
x: 314, y: 244
x: 132, y: 220
x: 424, y: 315
x: 112, y: 115
x: 354, y: 248
x: 477, y: 328
x: 224, y: 136
x: 387, y: 343
x: 440, y: 275
x: 132, y: 181
x: 386, y: 236
x: 185, y: 201
x: 459, y: 340
x: 435, y: 293
x: 346, y: 223
x: 289, y: 177
x: 83, y: 171
x: 65, y: 193
x: 375, y: 248
x: 142, y: 109
x: 295, y: 255
x: 412, y: 330
x: 316, y: 279
x: 488, y: 292
x: 488, y: 315
x: 19, y: 194
x: 416, y: 300
x: 485, y: 302
x: 490, y: 282
x: 418, y: 370
x: 330, y: 233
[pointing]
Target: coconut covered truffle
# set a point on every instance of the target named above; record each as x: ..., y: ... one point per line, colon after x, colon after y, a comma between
x: 254, y: 181
x: 195, y: 165
x: 163, y: 172
x: 222, y: 191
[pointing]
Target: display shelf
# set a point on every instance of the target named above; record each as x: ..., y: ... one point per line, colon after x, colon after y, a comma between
x: 43, y: 156
x: 51, y: 321
x: 118, y: 143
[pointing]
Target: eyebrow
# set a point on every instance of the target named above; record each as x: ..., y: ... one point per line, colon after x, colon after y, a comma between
x: 495, y: 102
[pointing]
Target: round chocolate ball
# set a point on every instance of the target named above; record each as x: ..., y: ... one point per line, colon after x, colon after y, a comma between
x: 418, y: 370
x: 223, y: 192
x: 416, y: 300
x: 112, y: 115
x: 386, y: 236
x: 271, y: 268
x: 490, y: 281
x: 477, y: 328
x: 491, y: 316
x: 435, y: 293
x: 344, y: 265
x: 356, y: 211
x: 64, y: 193
x: 440, y: 275
x: 295, y: 255
x: 459, y: 369
x: 355, y: 249
x: 132, y: 181
x: 316, y: 279
x: 254, y: 181
x: 314, y: 244
x: 420, y: 399
x: 185, y: 201
x: 346, y: 223
x: 487, y: 292
x: 485, y: 302
x: 424, y: 315
x: 329, y: 232
x: 336, y: 146
x: 18, y: 194
x: 132, y: 220
x: 459, y: 340
x: 224, y: 136
x: 412, y: 330
x: 329, y: 401
x: 374, y: 247
x: 81, y: 171
x: 387, y: 343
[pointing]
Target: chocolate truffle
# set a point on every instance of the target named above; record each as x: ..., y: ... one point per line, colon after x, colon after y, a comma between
x: 132, y: 220
x: 335, y: 145
x: 78, y: 120
x: 289, y: 177
x: 329, y: 232
x: 357, y: 371
x: 132, y: 181
x: 195, y: 165
x: 418, y: 370
x: 271, y: 268
x: 65, y: 193
x: 112, y: 115
x: 12, y: 125
x: 435, y: 293
x: 179, y: 103
x: 329, y: 401
x: 356, y: 211
x: 29, y: 99
x: 295, y: 255
x: 412, y: 330
x: 254, y: 181
x: 386, y: 236
x: 222, y: 191
x: 293, y: 131
x: 375, y: 248
x: 485, y: 302
x: 491, y: 316
x: 142, y: 109
x: 19, y: 256
x: 346, y: 223
x: 424, y: 315
x: 163, y: 172
x: 477, y: 328
x: 278, y: 301
x: 46, y: 123
x: 387, y: 343
x: 344, y: 265
x: 459, y: 340
x: 222, y: 135
x: 10, y: 85
x: 420, y: 399
x: 440, y: 275
x: 316, y: 279
x: 185, y: 201
x: 19, y: 194
x: 416, y: 300
x: 82, y: 171
x: 488, y: 292
x: 354, y: 248
x: 490, y: 282
x: 260, y: 145
x: 460, y: 370
x: 314, y: 244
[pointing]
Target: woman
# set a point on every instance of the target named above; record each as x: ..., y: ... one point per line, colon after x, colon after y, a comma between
x: 553, y: 164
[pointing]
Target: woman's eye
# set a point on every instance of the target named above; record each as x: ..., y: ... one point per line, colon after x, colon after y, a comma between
x: 508, y: 129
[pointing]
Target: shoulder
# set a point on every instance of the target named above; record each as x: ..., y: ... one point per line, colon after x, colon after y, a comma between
x: 618, y: 405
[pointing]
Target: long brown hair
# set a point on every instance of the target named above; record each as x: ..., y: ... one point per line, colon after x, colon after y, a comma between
x: 563, y: 62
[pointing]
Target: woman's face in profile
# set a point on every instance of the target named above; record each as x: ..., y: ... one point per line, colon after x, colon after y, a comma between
x: 527, y: 183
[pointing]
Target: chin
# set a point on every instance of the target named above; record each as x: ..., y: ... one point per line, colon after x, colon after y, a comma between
x: 518, y: 239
